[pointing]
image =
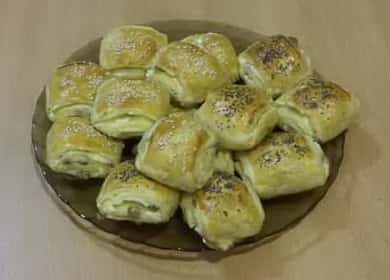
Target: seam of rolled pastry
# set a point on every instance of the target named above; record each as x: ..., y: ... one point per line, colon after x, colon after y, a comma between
x: 160, y: 40
x: 81, y: 165
x: 130, y: 126
x: 71, y: 110
x: 186, y: 183
x: 188, y: 71
x: 249, y: 73
x: 129, y: 73
x: 176, y: 88
x: 169, y: 81
x: 221, y: 48
x: 193, y: 173
x: 291, y: 119
x: 120, y: 208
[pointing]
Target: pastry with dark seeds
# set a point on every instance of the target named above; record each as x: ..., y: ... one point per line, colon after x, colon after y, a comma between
x: 283, y: 163
x: 128, y: 195
x: 239, y: 115
x: 224, y: 212
x: 274, y: 64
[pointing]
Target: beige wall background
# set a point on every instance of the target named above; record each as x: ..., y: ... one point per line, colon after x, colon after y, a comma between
x: 346, y: 237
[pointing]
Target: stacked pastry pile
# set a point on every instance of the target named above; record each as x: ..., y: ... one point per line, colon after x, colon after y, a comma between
x: 198, y: 124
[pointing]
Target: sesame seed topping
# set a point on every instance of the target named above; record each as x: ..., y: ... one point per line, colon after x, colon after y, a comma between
x: 277, y: 55
x: 75, y: 127
x: 315, y: 94
x: 125, y: 90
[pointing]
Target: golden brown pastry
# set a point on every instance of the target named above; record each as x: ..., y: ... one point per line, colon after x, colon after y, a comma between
x: 239, y: 115
x: 128, y: 195
x: 177, y: 152
x: 71, y: 89
x: 76, y: 148
x: 224, y: 212
x: 127, y: 108
x: 274, y: 63
x: 128, y: 50
x: 221, y: 48
x: 318, y: 108
x: 284, y: 163
x: 188, y: 72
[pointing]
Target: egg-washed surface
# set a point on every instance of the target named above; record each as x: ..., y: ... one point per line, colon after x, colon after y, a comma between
x: 71, y: 89
x: 274, y: 63
x: 126, y: 108
x: 178, y: 152
x: 221, y: 48
x: 319, y: 108
x: 131, y: 46
x: 239, y: 115
x: 189, y: 72
x: 283, y: 163
x: 127, y: 194
x: 224, y: 211
x: 76, y: 148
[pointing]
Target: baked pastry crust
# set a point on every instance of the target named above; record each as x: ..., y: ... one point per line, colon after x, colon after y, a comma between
x: 71, y: 89
x: 128, y: 195
x: 188, y: 72
x: 224, y: 212
x: 221, y: 48
x: 128, y: 50
x: 177, y: 152
x: 274, y: 63
x: 127, y: 108
x: 76, y: 148
x: 316, y: 107
x: 283, y: 163
x: 239, y: 115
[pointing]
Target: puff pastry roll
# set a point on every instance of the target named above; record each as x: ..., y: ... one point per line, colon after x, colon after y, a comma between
x: 318, y: 108
x: 128, y: 195
x: 71, y: 89
x: 177, y: 152
x: 221, y: 48
x: 188, y: 72
x: 224, y: 212
x: 127, y: 108
x: 76, y: 148
x: 284, y: 163
x: 274, y: 63
x: 239, y: 115
x: 129, y: 50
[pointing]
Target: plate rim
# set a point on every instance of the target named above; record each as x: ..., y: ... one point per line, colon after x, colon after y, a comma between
x: 142, y: 247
